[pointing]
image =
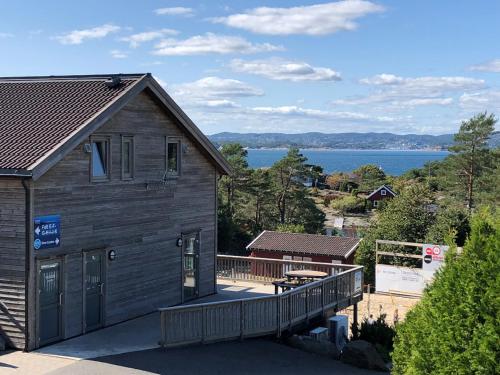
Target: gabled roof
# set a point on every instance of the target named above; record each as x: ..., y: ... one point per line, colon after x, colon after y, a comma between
x: 380, y: 188
x: 300, y: 243
x: 44, y: 118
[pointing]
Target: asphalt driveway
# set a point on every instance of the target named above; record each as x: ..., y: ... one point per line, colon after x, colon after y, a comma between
x: 257, y: 356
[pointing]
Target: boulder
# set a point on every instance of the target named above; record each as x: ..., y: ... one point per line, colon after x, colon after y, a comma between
x: 308, y: 344
x: 362, y: 354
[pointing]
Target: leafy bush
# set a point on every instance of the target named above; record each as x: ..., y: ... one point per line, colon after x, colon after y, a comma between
x: 349, y: 204
x: 455, y: 328
x: 379, y: 333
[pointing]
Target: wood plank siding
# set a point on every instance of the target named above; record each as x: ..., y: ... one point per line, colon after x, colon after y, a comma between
x: 140, y: 222
x: 12, y: 261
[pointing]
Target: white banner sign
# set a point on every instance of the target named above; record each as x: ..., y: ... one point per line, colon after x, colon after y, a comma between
x: 394, y: 279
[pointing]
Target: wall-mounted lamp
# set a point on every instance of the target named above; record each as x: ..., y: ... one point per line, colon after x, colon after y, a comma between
x: 87, y: 148
x: 179, y: 242
x: 112, y: 255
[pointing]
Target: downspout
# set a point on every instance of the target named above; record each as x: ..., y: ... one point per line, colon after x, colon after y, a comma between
x: 27, y: 261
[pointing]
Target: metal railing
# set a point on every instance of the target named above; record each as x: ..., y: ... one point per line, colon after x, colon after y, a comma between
x: 259, y: 316
x: 268, y: 269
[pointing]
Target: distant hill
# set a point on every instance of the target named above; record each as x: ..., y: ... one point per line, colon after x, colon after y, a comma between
x: 364, y: 141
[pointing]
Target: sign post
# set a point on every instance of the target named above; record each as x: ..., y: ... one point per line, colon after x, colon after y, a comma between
x: 47, y: 232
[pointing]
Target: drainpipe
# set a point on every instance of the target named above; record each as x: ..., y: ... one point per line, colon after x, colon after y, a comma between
x: 27, y: 262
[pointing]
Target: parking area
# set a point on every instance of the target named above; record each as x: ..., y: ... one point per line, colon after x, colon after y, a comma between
x: 256, y: 356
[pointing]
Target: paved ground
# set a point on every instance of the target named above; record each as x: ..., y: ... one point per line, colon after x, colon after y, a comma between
x: 247, y: 357
x: 132, y: 348
x: 19, y: 363
x: 124, y: 337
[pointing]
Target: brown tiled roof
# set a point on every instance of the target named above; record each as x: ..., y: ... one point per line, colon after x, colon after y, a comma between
x: 300, y: 243
x: 38, y: 113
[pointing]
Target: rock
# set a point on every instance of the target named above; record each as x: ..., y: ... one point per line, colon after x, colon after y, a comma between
x: 311, y: 345
x: 362, y: 354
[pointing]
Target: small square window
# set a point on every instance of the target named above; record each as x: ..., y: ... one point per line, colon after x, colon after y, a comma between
x: 383, y: 192
x: 100, y: 159
x: 173, y: 157
x: 127, y: 157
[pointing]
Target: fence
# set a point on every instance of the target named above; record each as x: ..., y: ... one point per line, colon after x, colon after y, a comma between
x: 259, y: 316
x: 267, y: 269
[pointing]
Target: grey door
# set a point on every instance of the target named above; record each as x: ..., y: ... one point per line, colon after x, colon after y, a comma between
x: 190, y: 251
x: 50, y: 301
x: 94, y: 290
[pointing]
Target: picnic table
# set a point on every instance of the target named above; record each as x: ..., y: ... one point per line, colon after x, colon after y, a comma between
x: 297, y: 278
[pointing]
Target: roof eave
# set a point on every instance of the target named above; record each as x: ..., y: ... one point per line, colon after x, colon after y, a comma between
x: 8, y: 172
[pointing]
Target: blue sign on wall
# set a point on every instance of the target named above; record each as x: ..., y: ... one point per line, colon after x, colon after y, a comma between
x: 47, y: 232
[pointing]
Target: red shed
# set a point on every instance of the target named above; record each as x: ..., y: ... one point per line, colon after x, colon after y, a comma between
x: 304, y: 247
x: 383, y: 192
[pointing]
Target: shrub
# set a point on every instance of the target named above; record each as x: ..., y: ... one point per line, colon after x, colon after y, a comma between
x: 455, y: 329
x: 379, y: 333
x: 349, y: 204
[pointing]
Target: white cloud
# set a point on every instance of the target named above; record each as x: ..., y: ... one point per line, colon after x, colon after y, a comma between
x: 317, y: 19
x: 78, y: 36
x: 6, y: 35
x: 395, y: 99
x: 489, y: 66
x: 136, y: 39
x: 291, y: 111
x: 295, y: 111
x: 481, y: 101
x: 398, y: 93
x: 175, y: 11
x: 117, y: 54
x: 424, y: 85
x: 213, y: 92
x: 279, y: 69
x: 211, y: 43
x: 221, y: 103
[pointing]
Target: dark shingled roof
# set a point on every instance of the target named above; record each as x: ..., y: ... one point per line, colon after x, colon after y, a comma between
x: 300, y: 243
x: 38, y: 113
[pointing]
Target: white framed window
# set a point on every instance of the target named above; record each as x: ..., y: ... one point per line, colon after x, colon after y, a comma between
x: 128, y: 162
x: 173, y: 156
x: 375, y: 203
x: 383, y: 192
x: 100, y: 158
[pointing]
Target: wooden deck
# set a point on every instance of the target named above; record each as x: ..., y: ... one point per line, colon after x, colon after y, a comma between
x: 262, y: 315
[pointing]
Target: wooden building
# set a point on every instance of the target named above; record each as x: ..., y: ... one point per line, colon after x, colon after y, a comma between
x: 304, y: 247
x: 108, y: 198
x: 378, y: 195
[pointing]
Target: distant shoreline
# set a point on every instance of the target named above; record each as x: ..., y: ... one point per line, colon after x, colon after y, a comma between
x: 346, y: 149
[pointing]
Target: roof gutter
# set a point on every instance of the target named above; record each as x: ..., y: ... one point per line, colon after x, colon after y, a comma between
x: 6, y: 172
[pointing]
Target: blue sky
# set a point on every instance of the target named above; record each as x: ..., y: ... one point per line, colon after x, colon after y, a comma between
x: 277, y: 66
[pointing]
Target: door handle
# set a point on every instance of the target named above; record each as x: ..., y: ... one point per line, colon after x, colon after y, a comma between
x: 102, y: 288
x: 60, y: 299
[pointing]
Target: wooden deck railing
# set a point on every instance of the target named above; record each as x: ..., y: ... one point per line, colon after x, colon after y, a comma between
x: 266, y: 269
x: 250, y: 317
